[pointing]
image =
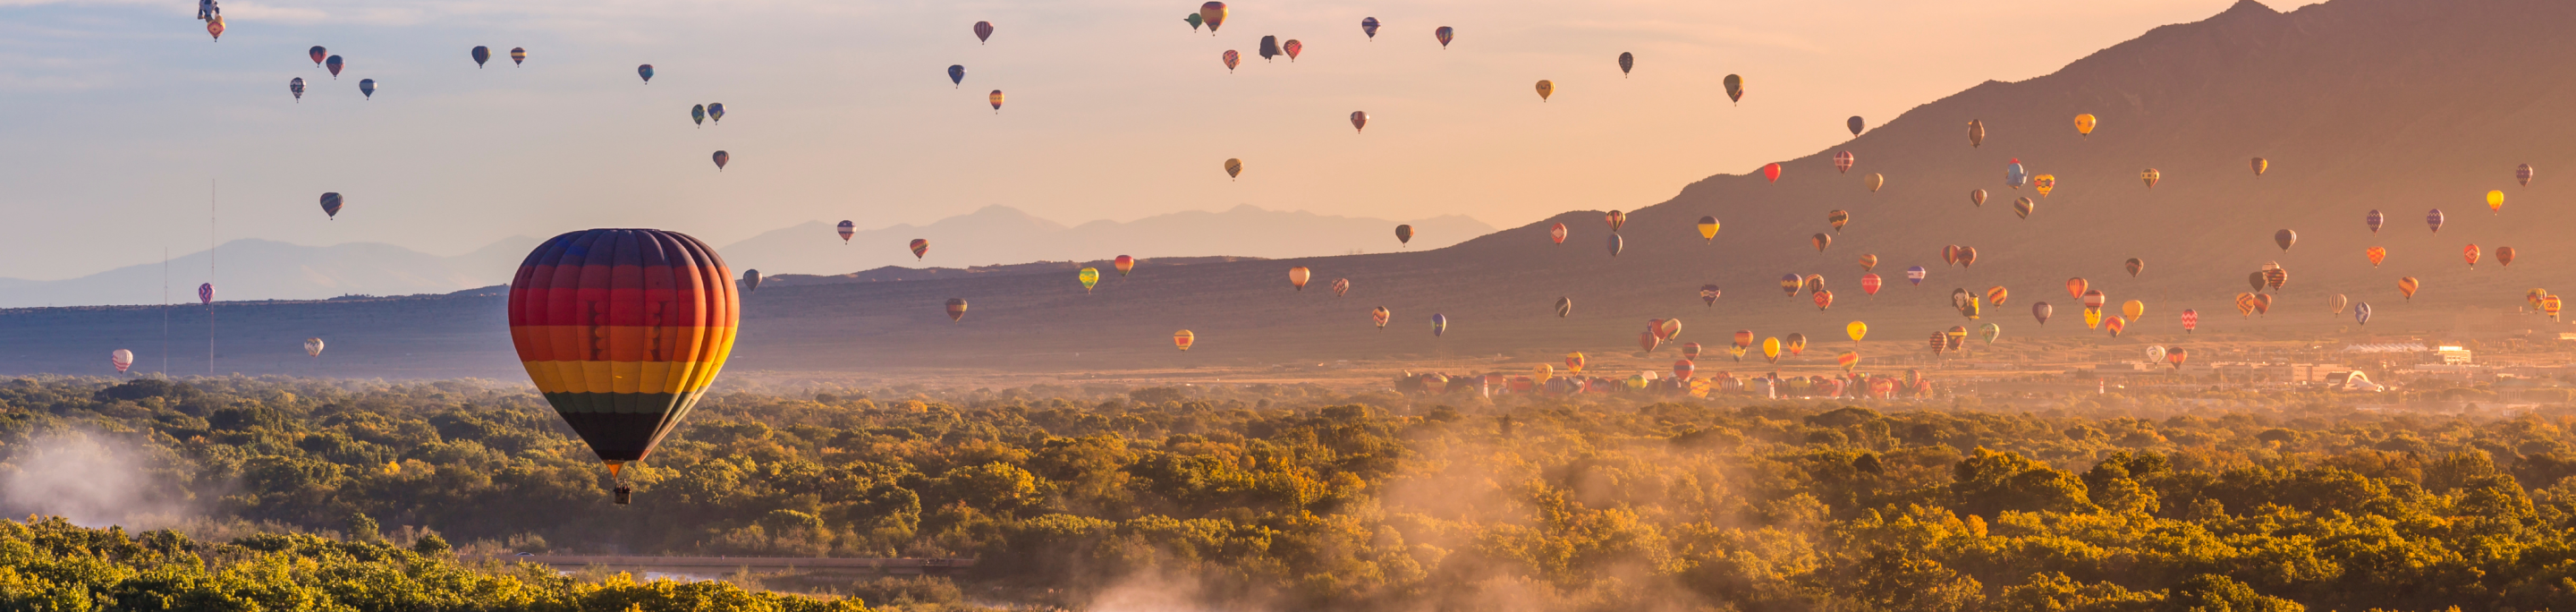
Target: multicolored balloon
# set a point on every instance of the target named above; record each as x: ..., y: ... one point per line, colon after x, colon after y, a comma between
x: 1184, y: 340
x: 1444, y: 33
x: 956, y: 309
x: 1123, y: 262
x: 1089, y: 277
x: 622, y: 330
x: 920, y: 248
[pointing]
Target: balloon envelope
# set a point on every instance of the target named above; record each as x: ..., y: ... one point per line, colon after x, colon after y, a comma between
x: 622, y: 330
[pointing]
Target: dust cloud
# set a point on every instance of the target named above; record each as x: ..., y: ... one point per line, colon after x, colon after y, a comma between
x: 90, y: 479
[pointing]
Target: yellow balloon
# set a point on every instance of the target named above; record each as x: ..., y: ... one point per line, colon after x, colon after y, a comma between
x: 2044, y: 183
x: 1089, y: 278
x: 1708, y: 228
x: 1542, y: 373
x: 2495, y: 200
x: 2132, y: 309
x: 2092, y: 318
x: 1771, y: 349
x: 1857, y: 330
x: 2084, y: 124
x: 1876, y: 181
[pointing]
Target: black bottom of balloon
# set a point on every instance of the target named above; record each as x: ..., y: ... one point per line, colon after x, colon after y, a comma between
x: 621, y: 426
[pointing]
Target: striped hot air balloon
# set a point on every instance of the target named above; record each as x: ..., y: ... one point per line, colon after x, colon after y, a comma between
x: 622, y: 330
x: 2190, y: 320
x: 1708, y: 294
x: 122, y: 359
x: 1843, y: 161
x: 1869, y: 283
x: 331, y: 205
x: 846, y: 229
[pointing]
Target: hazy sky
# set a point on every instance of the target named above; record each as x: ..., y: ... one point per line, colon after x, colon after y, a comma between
x: 122, y: 111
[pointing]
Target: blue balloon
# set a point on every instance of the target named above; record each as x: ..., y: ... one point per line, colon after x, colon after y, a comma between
x: 1914, y: 275
x: 1439, y: 323
x: 645, y: 71
x: 2361, y: 313
x: 956, y: 75
x: 2015, y: 176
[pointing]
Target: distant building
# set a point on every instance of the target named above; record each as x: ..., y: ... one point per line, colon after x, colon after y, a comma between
x: 2407, y: 347
x: 2352, y: 381
x: 2450, y: 355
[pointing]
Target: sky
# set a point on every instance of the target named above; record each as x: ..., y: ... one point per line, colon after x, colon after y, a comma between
x: 126, y: 121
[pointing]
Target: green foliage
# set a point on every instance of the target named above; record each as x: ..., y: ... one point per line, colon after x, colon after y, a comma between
x: 1294, y: 497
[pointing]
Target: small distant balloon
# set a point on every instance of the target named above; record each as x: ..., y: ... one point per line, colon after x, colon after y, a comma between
x: 1213, y: 13
x: 1368, y: 25
x: 334, y: 64
x: 1734, y: 89
x: 481, y: 54
x: 367, y: 87
x: 956, y: 75
x: 722, y: 157
x: 1359, y: 121
x: 1444, y: 33
x: 920, y: 248
x: 317, y: 53
x: 331, y: 205
x: 296, y: 87
x: 983, y: 31
x: 645, y: 71
x: 518, y: 55
x: 1628, y: 61
x: 1855, y: 124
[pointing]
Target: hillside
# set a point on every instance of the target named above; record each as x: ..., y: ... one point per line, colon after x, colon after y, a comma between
x: 2349, y: 121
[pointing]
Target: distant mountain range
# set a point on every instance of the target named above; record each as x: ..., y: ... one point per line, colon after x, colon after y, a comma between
x: 1005, y: 235
x: 254, y: 269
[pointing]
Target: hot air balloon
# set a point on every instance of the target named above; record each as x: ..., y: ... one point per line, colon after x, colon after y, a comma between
x: 1292, y: 47
x: 1734, y: 89
x: 2263, y: 304
x: 2470, y: 253
x: 920, y: 247
x: 2504, y: 256
x: 1231, y: 58
x: 2374, y: 219
x: 1790, y: 283
x: 1956, y: 337
x: 996, y: 99
x: 1976, y: 133
x: 1089, y: 277
x: 1125, y: 264
x: 1854, y: 124
x: 956, y: 309
x: 1996, y: 295
x: 1869, y: 284
x: 2084, y: 124
x: 2522, y: 174
x: 715, y: 112
x: 2260, y: 165
x: 1707, y: 228
x: 1796, y: 343
x: 2361, y: 313
x: 481, y: 54
x: 1668, y: 328
x: 750, y: 280
x: 1557, y: 233
x: 1683, y: 369
x: 2151, y: 176
x: 1915, y: 275
x: 122, y: 359
x: 206, y: 293
x: 2092, y: 318
x: 698, y: 114
x: 317, y: 53
x: 1359, y: 121
x: 2495, y: 201
x: 1615, y: 244
x: 1616, y: 220
x: 1628, y: 61
x: 296, y: 87
x: 2155, y: 354
x: 1838, y: 219
x: 1940, y: 342
x: 1843, y: 161
x: 2285, y: 238
x: 1743, y: 338
x: 2336, y: 303
x: 2014, y: 175
x: 2115, y: 325
x: 1856, y: 330
x: 1821, y: 241
x: 2133, y: 310
x: 1824, y: 299
x: 367, y: 87
x: 622, y: 330
x: 2190, y: 320
x: 1868, y: 261
x: 2041, y: 311
x: 2433, y: 219
x: 1546, y: 88
x: 2023, y: 207
x: 1950, y: 254
x: 1542, y: 373
x: 983, y: 31
x: 1444, y: 33
x: 2177, y: 357
x: 846, y: 229
x: 1574, y: 362
x: 518, y: 55
x: 1213, y: 14
x: 2044, y: 183
x: 1690, y: 351
x: 1297, y: 277
x: 1771, y: 171
x: 1967, y: 256
x: 1368, y: 25
x: 1439, y: 324
x: 1341, y: 287
x: 215, y: 28
x: 1647, y: 341
x: 1990, y: 332
x: 1771, y: 349
x: 2550, y: 306
x: 1977, y: 197
x: 1404, y: 234
x: 1814, y: 283
x: 1874, y: 181
x: 331, y: 205
x: 1564, y: 307
x: 2093, y: 299
x: 645, y: 71
x: 334, y: 63
x: 722, y: 157
x: 1709, y: 294
x: 2135, y: 266
x: 1381, y: 315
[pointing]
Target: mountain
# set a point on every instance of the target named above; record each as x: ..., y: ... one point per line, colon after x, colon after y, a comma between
x: 1005, y: 235
x: 2394, y: 105
x: 254, y: 269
